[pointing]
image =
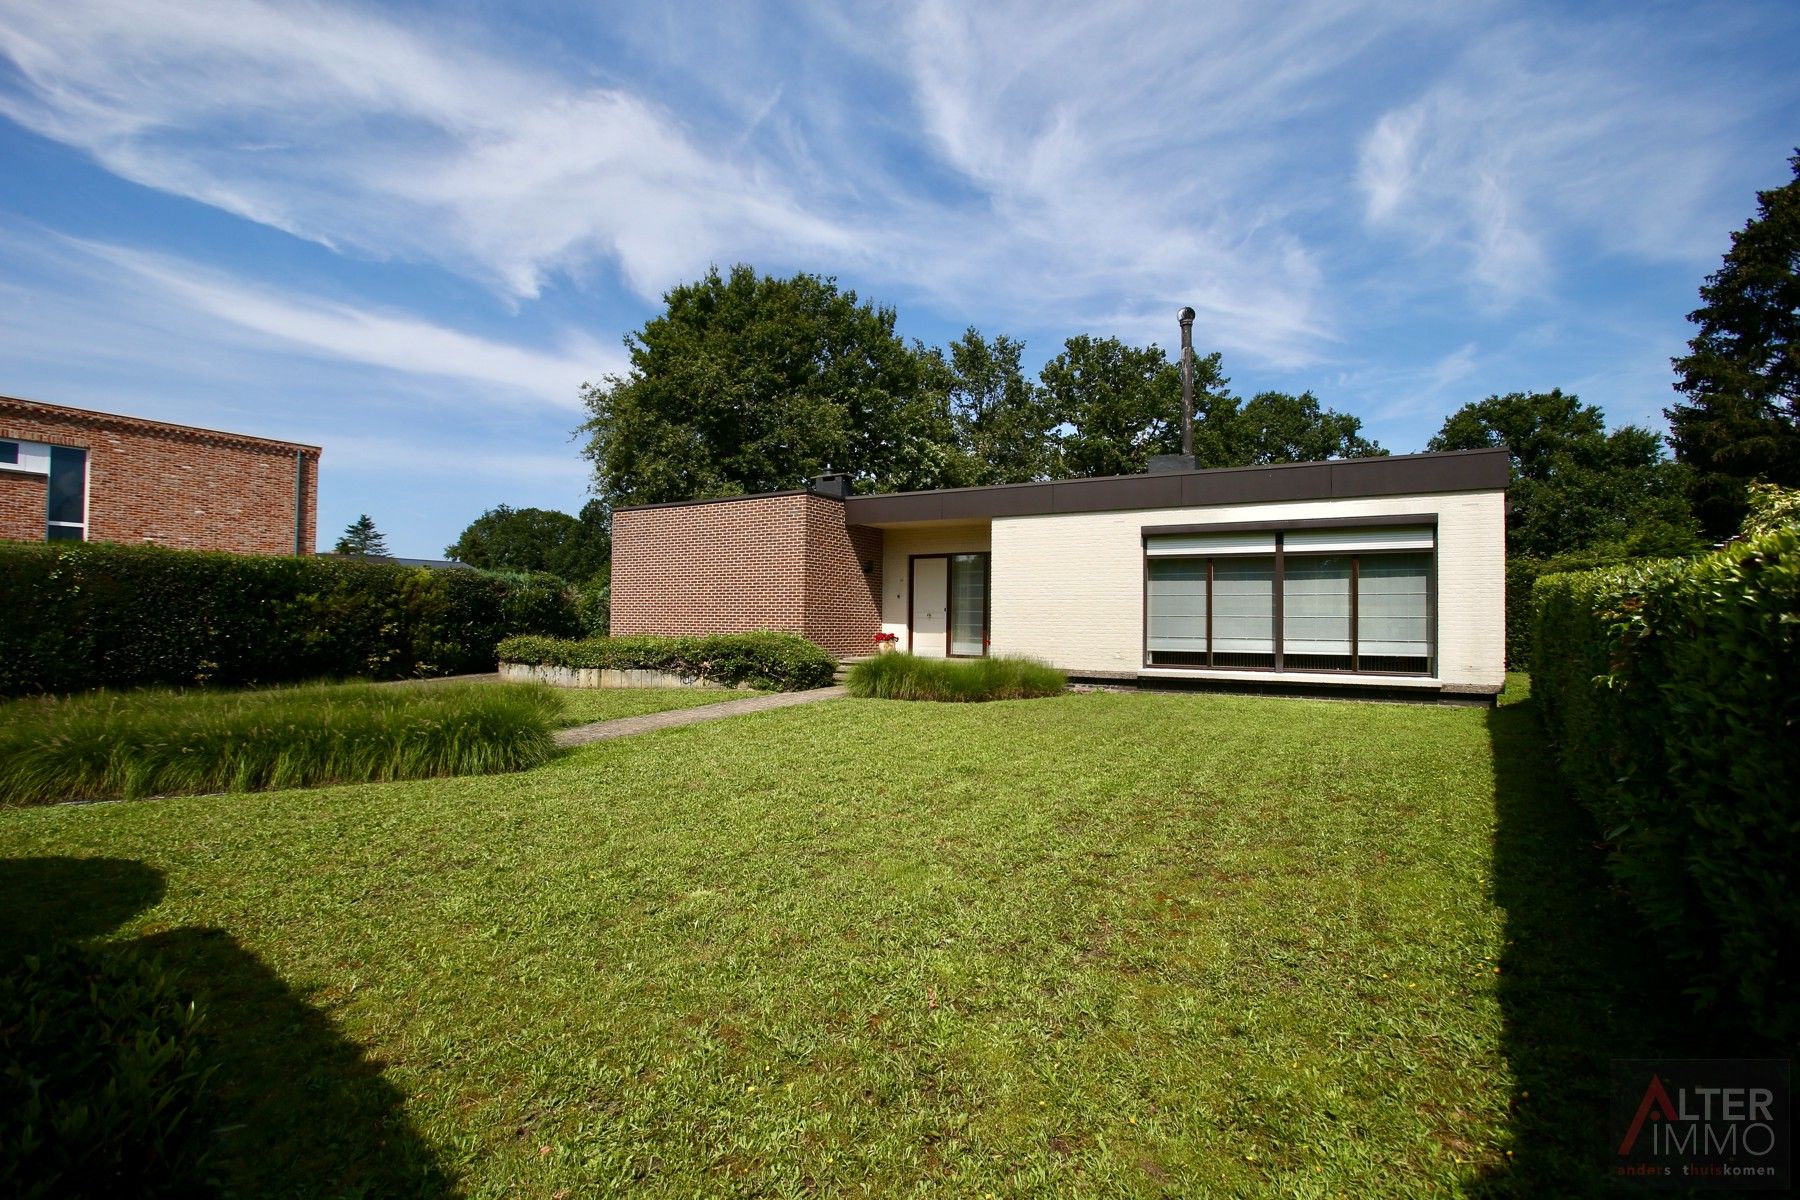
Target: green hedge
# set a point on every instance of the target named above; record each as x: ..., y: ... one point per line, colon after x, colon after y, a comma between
x: 778, y: 662
x: 89, y: 615
x: 1670, y: 692
x: 101, y: 1078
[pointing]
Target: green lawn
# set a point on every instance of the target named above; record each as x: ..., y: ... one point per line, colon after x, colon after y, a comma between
x: 1099, y: 944
x: 581, y: 706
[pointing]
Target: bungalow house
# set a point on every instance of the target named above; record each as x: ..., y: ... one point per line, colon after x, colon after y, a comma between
x: 1380, y: 574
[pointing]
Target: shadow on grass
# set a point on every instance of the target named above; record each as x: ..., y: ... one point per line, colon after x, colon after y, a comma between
x: 1580, y: 985
x: 296, y: 1110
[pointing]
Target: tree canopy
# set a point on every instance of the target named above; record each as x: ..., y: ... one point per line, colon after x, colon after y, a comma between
x: 361, y: 537
x: 749, y: 383
x: 1003, y: 429
x: 1740, y: 420
x: 1118, y: 405
x: 538, y: 539
x: 1574, y: 485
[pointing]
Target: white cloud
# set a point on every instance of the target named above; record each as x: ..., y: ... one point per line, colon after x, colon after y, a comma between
x: 1538, y: 137
x: 347, y: 129
x: 1033, y: 167
x: 105, y: 302
x: 391, y: 341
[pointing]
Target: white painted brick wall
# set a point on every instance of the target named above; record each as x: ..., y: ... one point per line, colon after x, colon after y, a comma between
x: 896, y: 547
x: 1069, y: 588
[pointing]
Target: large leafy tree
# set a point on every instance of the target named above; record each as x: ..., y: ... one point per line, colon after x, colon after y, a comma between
x: 1002, y: 423
x: 1119, y: 404
x: 1576, y: 486
x: 1740, y: 420
x: 749, y: 383
x: 1275, y: 427
x: 538, y: 539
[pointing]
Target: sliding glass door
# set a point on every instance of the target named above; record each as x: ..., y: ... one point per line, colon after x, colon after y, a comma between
x: 968, y: 605
x: 947, y: 608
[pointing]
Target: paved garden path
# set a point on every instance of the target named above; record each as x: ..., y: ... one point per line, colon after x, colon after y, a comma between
x: 604, y: 731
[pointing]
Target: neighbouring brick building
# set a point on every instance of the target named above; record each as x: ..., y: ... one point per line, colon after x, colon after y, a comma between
x: 71, y: 474
x: 782, y: 560
x: 1380, y: 574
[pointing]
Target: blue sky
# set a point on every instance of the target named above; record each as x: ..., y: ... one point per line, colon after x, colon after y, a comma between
x: 408, y: 233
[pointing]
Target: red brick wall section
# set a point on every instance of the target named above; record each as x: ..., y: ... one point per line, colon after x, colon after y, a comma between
x: 193, y: 489
x: 730, y: 566
x: 843, y: 603
x: 783, y: 562
x: 23, y: 501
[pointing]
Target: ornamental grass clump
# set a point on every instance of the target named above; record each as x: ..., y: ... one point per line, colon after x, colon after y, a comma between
x: 909, y: 677
x: 125, y: 745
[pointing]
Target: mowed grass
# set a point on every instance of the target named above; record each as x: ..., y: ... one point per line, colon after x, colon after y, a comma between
x: 583, y: 706
x: 155, y: 741
x: 1098, y: 944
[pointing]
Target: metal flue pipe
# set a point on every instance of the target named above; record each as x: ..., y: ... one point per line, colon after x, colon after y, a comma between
x: 1186, y: 317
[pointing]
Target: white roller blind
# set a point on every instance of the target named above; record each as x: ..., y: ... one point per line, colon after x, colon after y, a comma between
x: 1244, y: 606
x: 1345, y: 540
x: 1315, y: 606
x: 1392, y: 617
x: 1209, y: 543
x: 1177, y: 600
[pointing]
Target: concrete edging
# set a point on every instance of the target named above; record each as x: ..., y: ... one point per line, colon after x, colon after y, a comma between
x: 605, y: 677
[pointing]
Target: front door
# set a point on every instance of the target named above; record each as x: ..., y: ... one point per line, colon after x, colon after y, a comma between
x: 931, y: 606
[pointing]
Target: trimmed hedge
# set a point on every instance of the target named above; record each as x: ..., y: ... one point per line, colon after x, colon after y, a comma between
x: 90, y: 615
x: 101, y: 1078
x: 1669, y: 691
x: 895, y: 676
x: 776, y: 662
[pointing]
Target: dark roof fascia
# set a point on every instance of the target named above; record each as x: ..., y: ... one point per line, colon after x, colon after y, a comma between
x: 1487, y: 470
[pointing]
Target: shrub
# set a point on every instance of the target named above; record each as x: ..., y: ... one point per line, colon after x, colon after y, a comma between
x: 593, y: 606
x: 909, y: 677
x: 1668, y: 692
x: 101, y: 1078
x: 88, y: 615
x: 776, y: 662
x: 107, y: 745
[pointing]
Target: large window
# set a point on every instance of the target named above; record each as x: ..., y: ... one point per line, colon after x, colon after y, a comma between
x: 1328, y: 599
x: 66, y: 520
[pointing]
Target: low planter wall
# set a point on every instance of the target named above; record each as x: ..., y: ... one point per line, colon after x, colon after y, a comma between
x: 603, y: 677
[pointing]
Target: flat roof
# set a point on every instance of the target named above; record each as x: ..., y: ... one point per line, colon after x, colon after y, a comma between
x: 94, y: 416
x: 1488, y: 470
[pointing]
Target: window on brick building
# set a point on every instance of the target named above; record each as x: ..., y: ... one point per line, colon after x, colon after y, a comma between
x: 9, y: 453
x: 67, y: 516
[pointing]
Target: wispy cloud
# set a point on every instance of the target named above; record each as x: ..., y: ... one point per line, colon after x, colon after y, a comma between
x: 1539, y: 136
x: 158, y: 308
x: 348, y: 129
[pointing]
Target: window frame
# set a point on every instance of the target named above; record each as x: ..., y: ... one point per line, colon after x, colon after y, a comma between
x: 82, y: 526
x: 987, y: 598
x: 1281, y: 555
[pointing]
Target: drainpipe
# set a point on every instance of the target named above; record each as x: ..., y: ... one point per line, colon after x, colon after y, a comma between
x: 1186, y: 317
x: 299, y: 498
